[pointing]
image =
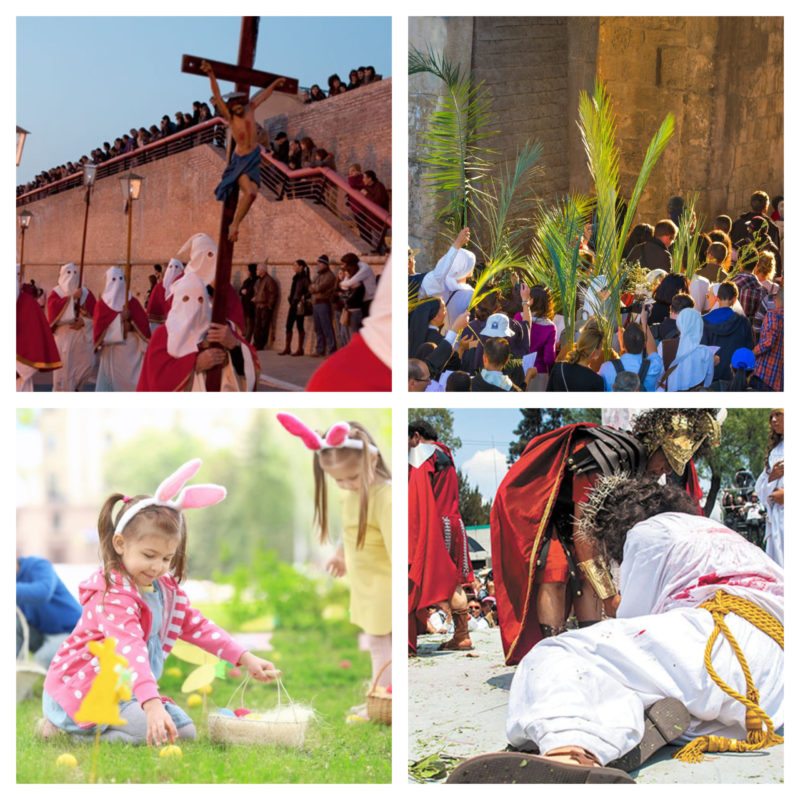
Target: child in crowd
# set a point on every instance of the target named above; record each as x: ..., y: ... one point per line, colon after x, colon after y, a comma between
x: 135, y: 598
x: 349, y: 456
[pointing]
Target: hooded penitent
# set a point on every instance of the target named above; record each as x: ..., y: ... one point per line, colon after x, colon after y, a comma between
x: 189, y: 318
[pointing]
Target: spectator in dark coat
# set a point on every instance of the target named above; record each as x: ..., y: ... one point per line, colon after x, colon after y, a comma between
x: 728, y: 330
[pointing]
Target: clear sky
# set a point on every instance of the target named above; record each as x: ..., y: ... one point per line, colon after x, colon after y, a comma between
x: 485, y: 435
x: 85, y: 80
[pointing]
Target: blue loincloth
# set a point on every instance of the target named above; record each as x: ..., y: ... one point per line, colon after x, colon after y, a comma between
x: 249, y: 164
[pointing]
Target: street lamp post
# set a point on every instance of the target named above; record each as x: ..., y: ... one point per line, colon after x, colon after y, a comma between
x: 24, y: 221
x: 89, y: 172
x: 131, y: 185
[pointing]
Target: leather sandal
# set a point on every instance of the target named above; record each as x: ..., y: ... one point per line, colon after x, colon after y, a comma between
x: 664, y: 722
x: 526, y: 768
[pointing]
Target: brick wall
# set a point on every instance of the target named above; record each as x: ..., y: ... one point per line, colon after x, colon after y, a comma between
x: 177, y: 201
x: 722, y: 78
x: 355, y: 126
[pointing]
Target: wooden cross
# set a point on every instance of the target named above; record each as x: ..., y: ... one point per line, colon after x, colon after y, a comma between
x: 244, y: 76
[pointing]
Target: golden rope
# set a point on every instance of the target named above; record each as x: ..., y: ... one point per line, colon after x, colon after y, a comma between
x: 760, y: 728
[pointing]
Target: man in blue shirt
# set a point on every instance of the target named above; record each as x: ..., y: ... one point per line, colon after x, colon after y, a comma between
x: 633, y: 339
x: 48, y: 607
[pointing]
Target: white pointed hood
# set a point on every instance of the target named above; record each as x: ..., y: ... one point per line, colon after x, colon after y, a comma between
x: 189, y: 317
x: 201, y: 252
x: 114, y: 292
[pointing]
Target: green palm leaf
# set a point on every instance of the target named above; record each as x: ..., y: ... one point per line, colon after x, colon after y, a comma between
x: 685, y: 247
x: 556, y: 260
x: 455, y: 160
x: 507, y: 205
x: 598, y: 132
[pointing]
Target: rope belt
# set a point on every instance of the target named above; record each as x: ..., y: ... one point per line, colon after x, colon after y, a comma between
x: 760, y: 728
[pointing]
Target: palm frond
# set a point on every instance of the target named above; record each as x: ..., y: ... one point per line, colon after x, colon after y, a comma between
x: 685, y: 255
x: 655, y: 149
x: 598, y: 132
x: 506, y: 207
x: 556, y: 260
x: 455, y: 160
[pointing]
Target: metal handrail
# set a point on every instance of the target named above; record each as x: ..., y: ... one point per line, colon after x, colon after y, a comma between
x: 326, y: 187
x: 321, y: 185
x: 208, y: 132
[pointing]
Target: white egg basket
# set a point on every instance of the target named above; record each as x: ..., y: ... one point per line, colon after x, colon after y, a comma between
x: 285, y: 725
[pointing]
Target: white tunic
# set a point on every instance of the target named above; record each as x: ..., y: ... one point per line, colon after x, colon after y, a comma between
x: 590, y: 687
x: 764, y: 488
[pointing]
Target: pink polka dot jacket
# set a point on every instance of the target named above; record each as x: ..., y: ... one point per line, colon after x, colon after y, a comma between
x: 121, y: 612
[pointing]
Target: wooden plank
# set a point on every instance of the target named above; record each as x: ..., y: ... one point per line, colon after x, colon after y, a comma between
x: 237, y: 74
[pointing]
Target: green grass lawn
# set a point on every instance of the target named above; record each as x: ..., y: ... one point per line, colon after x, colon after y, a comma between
x: 334, y: 752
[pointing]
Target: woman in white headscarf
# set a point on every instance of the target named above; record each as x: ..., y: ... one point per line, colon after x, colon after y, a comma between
x: 120, y: 336
x: 69, y: 312
x: 693, y: 365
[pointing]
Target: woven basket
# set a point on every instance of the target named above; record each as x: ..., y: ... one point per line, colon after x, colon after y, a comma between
x: 379, y: 701
x: 285, y: 725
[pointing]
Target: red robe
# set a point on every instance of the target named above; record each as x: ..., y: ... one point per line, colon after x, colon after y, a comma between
x: 520, y: 520
x: 36, y: 346
x: 353, y: 368
x: 163, y: 373
x: 156, y: 304
x: 104, y: 316
x: 56, y: 305
x: 432, y: 575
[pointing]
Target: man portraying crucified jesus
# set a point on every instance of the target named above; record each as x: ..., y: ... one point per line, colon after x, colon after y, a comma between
x: 246, y: 160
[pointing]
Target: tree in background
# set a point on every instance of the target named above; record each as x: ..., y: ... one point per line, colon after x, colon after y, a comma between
x: 536, y: 421
x: 744, y: 446
x: 474, y: 509
x: 441, y: 420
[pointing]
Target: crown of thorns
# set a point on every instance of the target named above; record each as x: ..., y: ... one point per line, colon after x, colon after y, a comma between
x: 595, y: 502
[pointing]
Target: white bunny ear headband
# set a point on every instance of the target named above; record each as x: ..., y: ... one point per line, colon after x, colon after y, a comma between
x: 199, y: 496
x: 338, y: 436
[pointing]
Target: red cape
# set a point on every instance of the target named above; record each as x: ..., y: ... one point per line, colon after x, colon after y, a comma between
x: 57, y: 304
x: 160, y: 371
x: 36, y: 346
x: 156, y: 304
x: 354, y: 368
x: 163, y: 373
x: 432, y: 575
x: 519, y: 520
x: 104, y: 316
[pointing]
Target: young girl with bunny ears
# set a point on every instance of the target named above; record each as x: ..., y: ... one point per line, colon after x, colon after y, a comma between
x: 135, y: 597
x: 349, y: 456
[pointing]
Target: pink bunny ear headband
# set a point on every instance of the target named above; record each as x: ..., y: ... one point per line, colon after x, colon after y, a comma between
x: 200, y: 496
x: 337, y: 436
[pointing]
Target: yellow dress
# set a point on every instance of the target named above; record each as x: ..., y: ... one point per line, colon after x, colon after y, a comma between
x: 370, y: 568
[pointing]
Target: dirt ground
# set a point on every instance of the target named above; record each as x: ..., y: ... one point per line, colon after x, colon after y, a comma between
x: 457, y: 707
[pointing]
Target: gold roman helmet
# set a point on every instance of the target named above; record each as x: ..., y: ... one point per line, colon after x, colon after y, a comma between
x: 680, y: 433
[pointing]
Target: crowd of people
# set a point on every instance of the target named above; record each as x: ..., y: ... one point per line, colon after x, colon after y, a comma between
x: 303, y: 153
x: 133, y: 140
x: 719, y: 329
x: 359, y: 76
x: 136, y: 138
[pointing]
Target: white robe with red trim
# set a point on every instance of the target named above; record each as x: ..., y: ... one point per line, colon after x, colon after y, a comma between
x: 589, y: 687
